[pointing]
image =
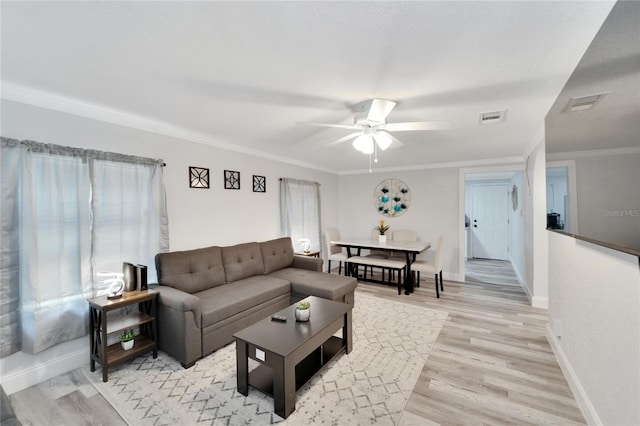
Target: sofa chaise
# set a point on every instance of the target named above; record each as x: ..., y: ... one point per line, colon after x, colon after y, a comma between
x: 208, y: 294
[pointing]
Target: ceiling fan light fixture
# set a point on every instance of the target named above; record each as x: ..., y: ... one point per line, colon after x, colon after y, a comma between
x: 382, y: 140
x: 364, y: 143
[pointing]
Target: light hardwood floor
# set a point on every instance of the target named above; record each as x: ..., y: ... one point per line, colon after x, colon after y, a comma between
x: 490, y: 271
x: 491, y: 364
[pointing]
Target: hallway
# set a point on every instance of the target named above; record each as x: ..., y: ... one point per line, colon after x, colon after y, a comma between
x: 491, y: 272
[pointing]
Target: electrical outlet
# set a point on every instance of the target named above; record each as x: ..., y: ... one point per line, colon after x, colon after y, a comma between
x: 259, y: 354
x: 557, y: 328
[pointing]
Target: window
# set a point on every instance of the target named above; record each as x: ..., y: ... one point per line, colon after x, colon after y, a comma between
x: 66, y: 214
x: 300, y: 212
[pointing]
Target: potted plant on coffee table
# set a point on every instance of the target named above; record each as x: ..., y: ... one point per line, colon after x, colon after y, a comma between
x: 127, y: 339
x: 303, y: 311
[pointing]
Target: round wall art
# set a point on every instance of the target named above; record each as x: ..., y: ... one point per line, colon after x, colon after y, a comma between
x: 392, y: 197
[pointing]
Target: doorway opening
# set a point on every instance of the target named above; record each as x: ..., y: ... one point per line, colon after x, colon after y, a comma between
x: 493, y: 227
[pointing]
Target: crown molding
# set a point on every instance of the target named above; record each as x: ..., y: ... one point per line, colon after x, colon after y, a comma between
x: 572, y: 155
x: 21, y: 94
x: 29, y: 96
x: 444, y: 165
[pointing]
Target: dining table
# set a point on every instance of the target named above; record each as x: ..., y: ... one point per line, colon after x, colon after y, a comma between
x: 410, y: 249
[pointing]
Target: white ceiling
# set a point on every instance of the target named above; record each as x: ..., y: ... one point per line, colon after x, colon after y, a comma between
x: 242, y: 74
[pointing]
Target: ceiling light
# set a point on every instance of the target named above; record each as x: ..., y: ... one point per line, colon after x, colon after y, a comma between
x: 364, y: 143
x: 383, y: 140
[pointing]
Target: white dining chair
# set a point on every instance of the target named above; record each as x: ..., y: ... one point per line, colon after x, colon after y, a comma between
x: 431, y: 267
x: 382, y: 254
x: 403, y: 235
x: 335, y: 252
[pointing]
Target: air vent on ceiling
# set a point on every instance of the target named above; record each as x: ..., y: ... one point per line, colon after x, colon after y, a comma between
x: 584, y: 103
x: 493, y: 117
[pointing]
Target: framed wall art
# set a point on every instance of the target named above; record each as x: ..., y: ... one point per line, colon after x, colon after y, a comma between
x: 198, y: 177
x: 392, y: 197
x: 259, y: 183
x: 231, y: 179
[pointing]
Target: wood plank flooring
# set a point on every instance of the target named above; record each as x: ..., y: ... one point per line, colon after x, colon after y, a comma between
x: 490, y: 271
x: 491, y: 364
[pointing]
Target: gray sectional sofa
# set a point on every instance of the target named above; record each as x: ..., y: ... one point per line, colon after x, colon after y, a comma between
x: 208, y: 294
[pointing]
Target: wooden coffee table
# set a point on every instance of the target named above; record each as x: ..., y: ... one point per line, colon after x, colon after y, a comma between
x: 291, y: 352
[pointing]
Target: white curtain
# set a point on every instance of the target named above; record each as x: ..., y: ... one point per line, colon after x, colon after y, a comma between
x: 300, y: 212
x: 57, y: 210
x: 126, y: 224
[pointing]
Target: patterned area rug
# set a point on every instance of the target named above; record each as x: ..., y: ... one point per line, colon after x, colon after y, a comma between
x: 372, y: 384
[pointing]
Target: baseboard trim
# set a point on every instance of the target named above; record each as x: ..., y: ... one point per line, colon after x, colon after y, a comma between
x: 33, y: 375
x: 540, y: 302
x: 516, y: 271
x: 588, y: 410
x: 449, y: 276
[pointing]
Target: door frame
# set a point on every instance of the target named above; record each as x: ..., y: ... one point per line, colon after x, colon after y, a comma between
x: 463, y: 172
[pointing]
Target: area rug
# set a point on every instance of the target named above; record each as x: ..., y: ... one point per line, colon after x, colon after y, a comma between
x: 372, y: 384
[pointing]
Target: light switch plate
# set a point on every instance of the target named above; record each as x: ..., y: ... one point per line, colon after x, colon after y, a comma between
x: 259, y: 354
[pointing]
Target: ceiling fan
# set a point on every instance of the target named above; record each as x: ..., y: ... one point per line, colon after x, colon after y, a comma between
x: 372, y: 129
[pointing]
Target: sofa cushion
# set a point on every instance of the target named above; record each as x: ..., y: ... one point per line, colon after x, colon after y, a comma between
x: 242, y: 261
x: 191, y: 271
x: 222, y: 302
x: 277, y: 254
x: 312, y: 283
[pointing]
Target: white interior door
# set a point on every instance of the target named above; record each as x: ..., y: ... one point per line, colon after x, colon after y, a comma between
x: 490, y: 221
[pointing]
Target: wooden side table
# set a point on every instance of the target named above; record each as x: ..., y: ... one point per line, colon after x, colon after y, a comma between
x: 100, y: 326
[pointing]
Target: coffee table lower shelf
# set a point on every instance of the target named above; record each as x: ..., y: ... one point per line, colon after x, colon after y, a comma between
x: 261, y: 378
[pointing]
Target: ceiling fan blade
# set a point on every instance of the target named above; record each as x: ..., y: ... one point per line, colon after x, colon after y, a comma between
x: 395, y: 142
x: 419, y: 125
x: 344, y: 139
x: 337, y: 126
x: 380, y: 109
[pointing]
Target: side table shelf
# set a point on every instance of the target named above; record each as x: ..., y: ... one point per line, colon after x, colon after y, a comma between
x: 101, y: 327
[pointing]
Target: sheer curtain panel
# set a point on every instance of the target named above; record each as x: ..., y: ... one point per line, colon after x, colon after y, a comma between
x: 127, y: 226
x: 52, y: 228
x: 300, y: 212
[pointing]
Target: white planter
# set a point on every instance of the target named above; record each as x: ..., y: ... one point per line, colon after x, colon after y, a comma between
x: 382, y: 239
x: 303, y: 315
x: 127, y: 345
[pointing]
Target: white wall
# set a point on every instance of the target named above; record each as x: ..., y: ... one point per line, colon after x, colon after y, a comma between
x: 535, y: 223
x: 433, y: 210
x: 516, y: 229
x: 197, y: 217
x: 594, y: 317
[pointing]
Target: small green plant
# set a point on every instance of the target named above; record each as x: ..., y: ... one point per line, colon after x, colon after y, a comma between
x: 127, y: 335
x: 303, y: 305
x: 382, y: 228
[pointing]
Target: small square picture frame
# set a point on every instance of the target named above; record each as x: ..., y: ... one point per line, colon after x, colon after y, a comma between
x: 231, y: 179
x: 198, y: 177
x: 259, y: 183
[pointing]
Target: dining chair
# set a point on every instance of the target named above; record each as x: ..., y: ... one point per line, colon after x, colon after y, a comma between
x: 382, y: 254
x: 403, y: 235
x: 434, y: 267
x: 335, y: 252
